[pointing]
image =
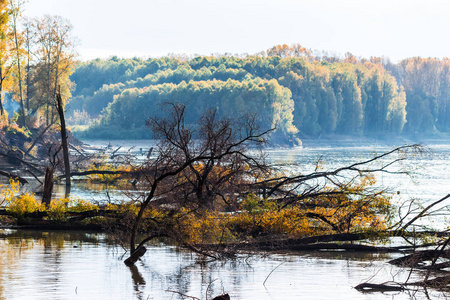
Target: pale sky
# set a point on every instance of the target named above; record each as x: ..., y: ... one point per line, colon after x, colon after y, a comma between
x: 152, y: 28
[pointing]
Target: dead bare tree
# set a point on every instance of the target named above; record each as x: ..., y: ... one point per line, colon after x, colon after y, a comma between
x: 182, y: 149
x: 65, y: 147
x: 211, y: 168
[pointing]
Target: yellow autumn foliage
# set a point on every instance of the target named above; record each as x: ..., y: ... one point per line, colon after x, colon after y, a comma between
x: 347, y: 211
x: 19, y: 204
x: 102, y: 165
x: 60, y: 208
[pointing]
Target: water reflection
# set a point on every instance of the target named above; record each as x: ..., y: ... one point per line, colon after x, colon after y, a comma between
x: 71, y: 265
x: 138, y: 281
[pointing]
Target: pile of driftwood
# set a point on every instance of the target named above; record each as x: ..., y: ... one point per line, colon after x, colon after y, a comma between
x: 432, y: 262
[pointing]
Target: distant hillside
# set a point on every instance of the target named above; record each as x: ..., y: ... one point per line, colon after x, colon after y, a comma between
x: 299, y: 94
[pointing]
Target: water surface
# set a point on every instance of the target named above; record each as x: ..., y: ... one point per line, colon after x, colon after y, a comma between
x: 70, y: 265
x: 63, y: 265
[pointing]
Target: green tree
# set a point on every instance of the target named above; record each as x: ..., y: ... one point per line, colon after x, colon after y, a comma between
x: 385, y: 105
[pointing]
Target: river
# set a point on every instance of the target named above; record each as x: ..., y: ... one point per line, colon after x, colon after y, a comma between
x: 71, y: 265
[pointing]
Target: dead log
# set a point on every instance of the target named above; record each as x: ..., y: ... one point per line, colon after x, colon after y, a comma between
x: 416, y: 258
x: 72, y: 215
x: 296, y: 243
x: 135, y: 255
x: 48, y: 187
x: 345, y: 247
x: 371, y: 287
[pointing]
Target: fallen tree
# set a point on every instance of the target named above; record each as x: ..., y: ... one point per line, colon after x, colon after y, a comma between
x: 434, y: 258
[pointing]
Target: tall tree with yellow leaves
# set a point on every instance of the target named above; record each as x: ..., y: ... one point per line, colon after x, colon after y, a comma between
x: 5, y: 51
x: 53, y: 46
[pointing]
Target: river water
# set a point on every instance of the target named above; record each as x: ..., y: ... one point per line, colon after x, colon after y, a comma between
x: 71, y: 265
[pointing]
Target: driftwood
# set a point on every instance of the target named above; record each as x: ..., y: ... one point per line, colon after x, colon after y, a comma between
x: 42, y: 220
x: 346, y: 247
x: 320, y: 242
x: 371, y: 287
x: 416, y: 258
x: 135, y: 255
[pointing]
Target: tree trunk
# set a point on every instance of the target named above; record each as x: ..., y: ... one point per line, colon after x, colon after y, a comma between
x: 48, y: 187
x: 1, y: 92
x: 60, y: 109
x: 1, y: 102
x: 135, y: 255
x: 19, y: 71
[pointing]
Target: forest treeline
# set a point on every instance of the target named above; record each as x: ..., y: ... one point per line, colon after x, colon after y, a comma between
x: 287, y: 87
x: 300, y: 92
